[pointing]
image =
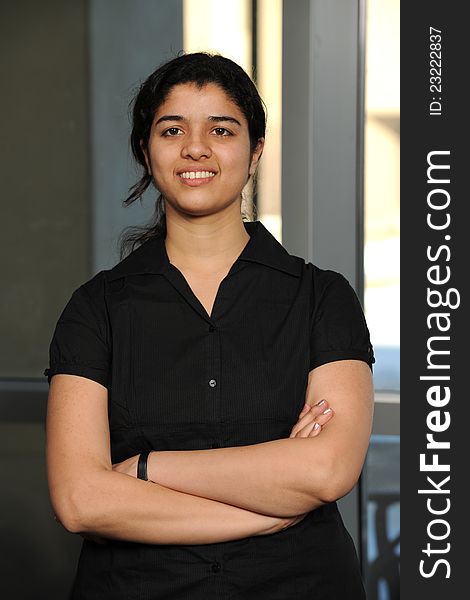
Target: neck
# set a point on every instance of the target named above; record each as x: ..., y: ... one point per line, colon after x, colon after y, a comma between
x: 205, y: 243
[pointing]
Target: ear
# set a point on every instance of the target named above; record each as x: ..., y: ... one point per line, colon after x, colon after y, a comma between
x: 255, y: 157
x: 146, y: 156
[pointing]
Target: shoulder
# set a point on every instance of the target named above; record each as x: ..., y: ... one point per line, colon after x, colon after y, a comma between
x: 88, y: 302
x: 323, y: 281
x: 149, y: 257
x: 91, y: 293
x: 324, y: 278
x: 331, y: 293
x: 139, y: 260
x: 321, y: 284
x: 94, y: 287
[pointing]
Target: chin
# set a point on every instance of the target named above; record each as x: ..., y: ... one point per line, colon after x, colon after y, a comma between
x: 198, y: 209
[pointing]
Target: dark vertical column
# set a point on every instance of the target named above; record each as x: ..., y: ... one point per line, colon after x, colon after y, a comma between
x: 45, y: 176
x: 321, y: 149
x: 322, y: 154
x: 434, y: 285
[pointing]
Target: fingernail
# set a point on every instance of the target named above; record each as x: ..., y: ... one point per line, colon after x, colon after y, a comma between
x: 328, y: 410
x: 321, y: 402
x: 316, y: 426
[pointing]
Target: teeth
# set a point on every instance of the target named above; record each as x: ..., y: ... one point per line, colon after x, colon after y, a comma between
x: 196, y: 174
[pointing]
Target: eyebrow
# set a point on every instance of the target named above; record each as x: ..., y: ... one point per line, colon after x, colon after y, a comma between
x: 220, y: 118
x: 214, y: 118
x: 170, y: 118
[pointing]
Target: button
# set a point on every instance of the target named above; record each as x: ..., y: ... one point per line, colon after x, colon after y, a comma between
x: 211, y: 328
x: 216, y: 567
x: 215, y: 445
x: 212, y: 382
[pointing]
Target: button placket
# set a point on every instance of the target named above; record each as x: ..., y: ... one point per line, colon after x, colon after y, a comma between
x: 212, y: 382
x: 213, y: 373
x: 216, y: 567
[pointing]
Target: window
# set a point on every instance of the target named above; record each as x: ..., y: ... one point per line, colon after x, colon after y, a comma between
x: 381, y: 476
x: 254, y: 41
x: 382, y: 227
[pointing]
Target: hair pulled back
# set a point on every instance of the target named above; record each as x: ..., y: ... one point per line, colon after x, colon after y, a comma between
x: 199, y: 68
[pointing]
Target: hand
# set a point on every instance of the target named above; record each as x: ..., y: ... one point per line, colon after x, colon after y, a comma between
x: 282, y: 523
x: 278, y: 524
x: 290, y: 521
x: 311, y: 420
x: 128, y: 466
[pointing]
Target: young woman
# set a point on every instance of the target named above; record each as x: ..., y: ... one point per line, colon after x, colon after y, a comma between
x: 190, y: 434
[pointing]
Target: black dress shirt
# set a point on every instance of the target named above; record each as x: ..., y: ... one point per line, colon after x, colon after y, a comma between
x: 179, y: 379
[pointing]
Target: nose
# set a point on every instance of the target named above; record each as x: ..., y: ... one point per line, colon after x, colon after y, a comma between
x: 196, y: 147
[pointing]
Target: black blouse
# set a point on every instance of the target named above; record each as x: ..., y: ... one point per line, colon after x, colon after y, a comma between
x: 180, y: 379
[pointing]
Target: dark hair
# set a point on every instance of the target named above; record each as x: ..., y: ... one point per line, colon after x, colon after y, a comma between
x: 199, y: 68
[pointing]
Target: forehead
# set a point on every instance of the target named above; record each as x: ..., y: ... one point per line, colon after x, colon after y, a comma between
x: 190, y: 100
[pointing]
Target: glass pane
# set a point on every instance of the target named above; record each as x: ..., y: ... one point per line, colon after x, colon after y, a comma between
x: 380, y: 480
x: 382, y: 484
x: 269, y: 80
x: 203, y: 32
x: 382, y: 181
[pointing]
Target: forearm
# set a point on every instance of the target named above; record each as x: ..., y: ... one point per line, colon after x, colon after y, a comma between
x: 89, y: 496
x: 287, y: 476
x: 114, y: 505
x: 276, y: 478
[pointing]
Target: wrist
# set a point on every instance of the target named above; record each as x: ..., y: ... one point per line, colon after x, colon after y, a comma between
x: 152, y: 465
x: 142, y: 465
x: 273, y: 525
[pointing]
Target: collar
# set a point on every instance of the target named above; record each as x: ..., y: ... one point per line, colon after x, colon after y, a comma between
x: 262, y: 248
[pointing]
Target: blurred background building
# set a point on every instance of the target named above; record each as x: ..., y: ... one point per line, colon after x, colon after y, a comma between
x: 328, y: 189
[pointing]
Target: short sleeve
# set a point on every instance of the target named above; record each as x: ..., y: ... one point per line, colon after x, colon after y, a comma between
x: 339, y: 330
x: 80, y: 343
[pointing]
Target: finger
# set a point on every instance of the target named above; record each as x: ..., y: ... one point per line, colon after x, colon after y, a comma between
x: 307, y: 420
x: 309, y: 417
x: 320, y: 407
x: 315, y: 410
x: 310, y: 430
x: 304, y: 419
x: 322, y: 420
x: 312, y: 411
x: 326, y: 416
x: 301, y: 423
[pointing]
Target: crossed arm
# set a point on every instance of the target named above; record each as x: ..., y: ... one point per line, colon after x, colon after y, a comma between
x: 204, y: 496
x: 284, y: 477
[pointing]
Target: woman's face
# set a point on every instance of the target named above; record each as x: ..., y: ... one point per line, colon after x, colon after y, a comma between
x: 199, y: 150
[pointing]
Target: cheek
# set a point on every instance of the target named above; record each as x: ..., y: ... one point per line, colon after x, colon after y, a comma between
x: 157, y: 156
x: 238, y: 162
x: 161, y: 164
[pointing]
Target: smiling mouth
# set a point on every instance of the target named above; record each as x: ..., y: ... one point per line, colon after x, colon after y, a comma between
x: 191, y: 175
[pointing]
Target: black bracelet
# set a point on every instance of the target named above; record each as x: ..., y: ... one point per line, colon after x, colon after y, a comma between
x: 142, y: 465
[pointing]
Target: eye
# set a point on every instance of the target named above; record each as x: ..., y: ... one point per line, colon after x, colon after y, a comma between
x: 221, y: 132
x: 172, y: 131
